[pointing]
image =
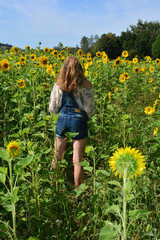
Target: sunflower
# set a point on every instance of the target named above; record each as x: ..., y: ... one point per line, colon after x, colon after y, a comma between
x: 89, y: 55
x: 13, y: 148
x: 86, y: 66
x: 122, y: 78
x: 155, y: 130
x: 117, y: 62
x: 59, y: 55
x: 80, y: 52
x: 27, y: 47
x: 129, y: 159
x: 45, y: 85
x: 49, y: 69
x: 135, y: 60
x: 62, y: 59
x: 148, y: 110
x: 21, y: 83
x: 125, y: 54
x: 136, y: 70
x: 61, y: 44
x: 14, y: 49
x: 30, y: 117
x: 150, y: 80
x: 33, y: 57
x: 45, y: 49
x: 98, y: 54
x: 148, y: 58
x: 142, y: 69
x: 55, y: 52
x: 86, y: 73
x: 109, y: 96
x: 43, y: 61
x: 154, y: 105
x: 23, y: 59
x: 68, y: 49
x: 5, y: 65
x: 151, y: 69
x: 116, y: 89
x: 157, y: 61
x: 105, y: 56
x: 90, y: 62
x: 54, y: 74
x: 126, y: 75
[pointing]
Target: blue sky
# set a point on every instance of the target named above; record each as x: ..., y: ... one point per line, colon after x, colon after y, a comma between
x: 28, y: 22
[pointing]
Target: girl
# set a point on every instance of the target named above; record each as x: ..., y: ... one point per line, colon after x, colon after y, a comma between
x: 72, y: 96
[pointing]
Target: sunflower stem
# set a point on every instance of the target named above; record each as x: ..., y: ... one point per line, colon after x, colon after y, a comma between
x: 124, y: 205
x: 13, y: 204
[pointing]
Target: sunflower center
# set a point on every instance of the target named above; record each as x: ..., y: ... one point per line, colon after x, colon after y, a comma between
x: 5, y: 65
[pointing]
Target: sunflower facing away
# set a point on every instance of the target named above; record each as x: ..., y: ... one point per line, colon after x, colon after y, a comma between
x: 13, y: 148
x: 129, y: 158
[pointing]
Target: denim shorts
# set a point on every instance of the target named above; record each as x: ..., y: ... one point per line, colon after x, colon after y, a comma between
x: 70, y: 121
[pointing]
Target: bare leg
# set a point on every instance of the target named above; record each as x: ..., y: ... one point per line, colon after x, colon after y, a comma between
x: 59, y: 148
x: 78, y: 152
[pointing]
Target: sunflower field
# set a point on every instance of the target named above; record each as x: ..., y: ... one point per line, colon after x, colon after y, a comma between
x: 120, y: 195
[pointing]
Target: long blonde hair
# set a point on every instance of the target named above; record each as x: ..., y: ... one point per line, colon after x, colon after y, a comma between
x: 71, y: 74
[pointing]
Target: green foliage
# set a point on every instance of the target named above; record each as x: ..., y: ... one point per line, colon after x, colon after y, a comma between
x: 108, y: 43
x: 156, y: 48
x: 46, y: 204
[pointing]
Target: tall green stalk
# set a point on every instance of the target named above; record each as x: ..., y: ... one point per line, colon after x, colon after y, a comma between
x: 124, y: 217
x: 12, y: 201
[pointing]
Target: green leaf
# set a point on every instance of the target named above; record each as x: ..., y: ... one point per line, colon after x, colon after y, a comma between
x: 15, y: 190
x: 40, y: 135
x: 4, y: 154
x: 84, y: 164
x: 70, y: 135
x: 98, y: 185
x: 14, y: 199
x: 129, y: 186
x: 113, y: 209
x: 135, y: 214
x: 23, y: 163
x: 40, y: 124
x: 107, y: 232
x: 130, y: 197
x: 80, y: 189
x: 2, y: 178
x: 33, y: 238
x: 102, y: 172
x: 3, y: 170
x: 8, y: 206
x: 94, y: 198
x: 115, y: 183
x: 80, y: 215
x: 46, y: 150
x: 82, y: 186
x: 89, y: 169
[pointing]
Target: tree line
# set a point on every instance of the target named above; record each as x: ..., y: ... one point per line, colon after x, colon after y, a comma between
x: 140, y: 40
